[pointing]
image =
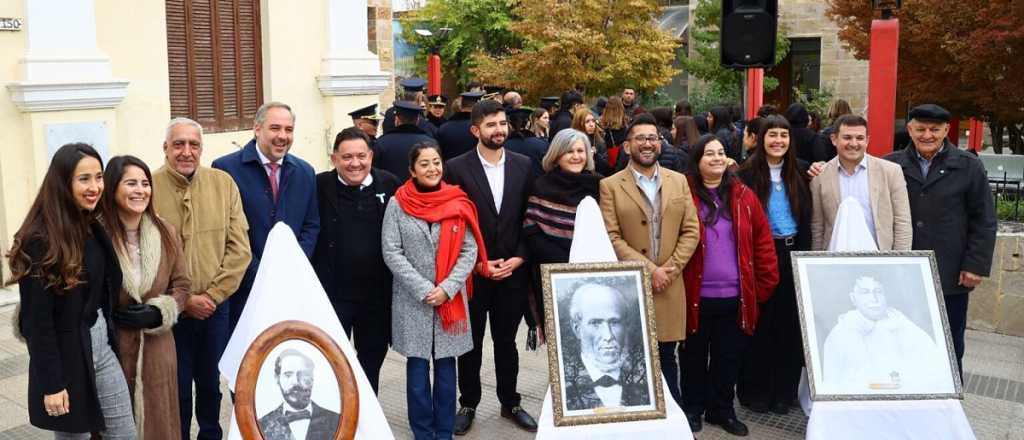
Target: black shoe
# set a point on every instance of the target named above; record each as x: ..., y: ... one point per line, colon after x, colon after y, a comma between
x: 732, y: 425
x: 695, y: 424
x: 464, y: 420
x: 757, y: 406
x: 521, y: 418
x: 780, y: 408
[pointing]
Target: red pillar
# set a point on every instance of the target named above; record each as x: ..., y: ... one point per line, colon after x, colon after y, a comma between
x: 885, y: 39
x: 755, y: 91
x: 434, y: 75
x: 977, y: 135
x: 954, y: 130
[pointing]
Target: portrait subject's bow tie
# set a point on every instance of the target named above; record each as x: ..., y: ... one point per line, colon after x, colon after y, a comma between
x: 291, y: 416
x: 606, y: 381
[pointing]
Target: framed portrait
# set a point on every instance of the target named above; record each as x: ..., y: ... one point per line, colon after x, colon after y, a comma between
x: 874, y: 326
x: 296, y: 383
x: 602, y: 349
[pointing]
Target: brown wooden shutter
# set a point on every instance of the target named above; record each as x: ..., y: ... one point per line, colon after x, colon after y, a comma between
x: 213, y: 49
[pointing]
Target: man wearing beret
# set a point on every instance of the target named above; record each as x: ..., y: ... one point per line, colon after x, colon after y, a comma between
x: 951, y: 210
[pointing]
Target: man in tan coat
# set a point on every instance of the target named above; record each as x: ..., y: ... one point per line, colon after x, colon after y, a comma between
x: 204, y: 206
x: 650, y: 217
x: 876, y: 184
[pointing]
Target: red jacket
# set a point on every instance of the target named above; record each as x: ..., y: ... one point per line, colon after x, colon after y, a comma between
x: 759, y: 271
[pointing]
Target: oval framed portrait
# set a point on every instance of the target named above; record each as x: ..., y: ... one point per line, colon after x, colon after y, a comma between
x: 296, y: 383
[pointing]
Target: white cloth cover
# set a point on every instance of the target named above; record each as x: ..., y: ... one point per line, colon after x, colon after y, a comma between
x: 590, y: 244
x: 593, y: 245
x: 851, y: 231
x: 287, y: 288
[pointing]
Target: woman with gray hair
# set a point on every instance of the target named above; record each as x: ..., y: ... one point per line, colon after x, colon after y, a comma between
x: 551, y: 208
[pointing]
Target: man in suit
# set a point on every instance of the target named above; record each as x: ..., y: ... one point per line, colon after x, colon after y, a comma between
x: 275, y: 187
x: 952, y: 211
x: 348, y: 259
x: 877, y: 185
x: 497, y: 181
x: 298, y: 418
x: 650, y: 217
x: 392, y: 149
x: 455, y: 136
x: 608, y: 371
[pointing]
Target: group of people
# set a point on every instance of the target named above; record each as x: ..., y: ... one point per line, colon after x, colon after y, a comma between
x: 131, y: 282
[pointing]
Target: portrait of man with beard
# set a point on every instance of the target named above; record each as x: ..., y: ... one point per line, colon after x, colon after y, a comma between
x: 608, y: 370
x: 298, y: 417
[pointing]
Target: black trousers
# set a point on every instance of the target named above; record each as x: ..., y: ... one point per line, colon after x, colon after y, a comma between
x: 368, y: 323
x: 770, y: 372
x: 503, y: 304
x: 956, y: 312
x: 711, y: 360
x: 670, y: 368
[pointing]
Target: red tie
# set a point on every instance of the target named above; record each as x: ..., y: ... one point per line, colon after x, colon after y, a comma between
x: 273, y: 178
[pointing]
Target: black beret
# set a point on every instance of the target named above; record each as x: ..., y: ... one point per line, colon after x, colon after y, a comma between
x: 930, y: 112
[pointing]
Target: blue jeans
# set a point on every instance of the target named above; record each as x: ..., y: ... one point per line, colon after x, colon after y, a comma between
x: 200, y: 344
x: 431, y: 414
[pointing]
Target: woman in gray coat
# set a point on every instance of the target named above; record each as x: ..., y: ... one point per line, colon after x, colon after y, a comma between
x: 431, y: 256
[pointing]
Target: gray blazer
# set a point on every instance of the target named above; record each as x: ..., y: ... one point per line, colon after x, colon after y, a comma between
x: 410, y: 248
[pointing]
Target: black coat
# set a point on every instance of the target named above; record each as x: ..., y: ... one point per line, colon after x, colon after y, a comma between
x: 530, y: 146
x: 389, y: 124
x: 561, y: 121
x: 503, y: 234
x: 952, y: 212
x: 56, y: 330
x: 323, y: 423
x: 810, y: 146
x: 338, y: 250
x: 803, y: 223
x: 454, y: 136
x: 392, y: 149
x: 436, y: 122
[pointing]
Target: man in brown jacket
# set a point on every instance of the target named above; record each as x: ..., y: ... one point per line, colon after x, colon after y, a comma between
x: 205, y: 208
x: 876, y: 184
x: 650, y: 217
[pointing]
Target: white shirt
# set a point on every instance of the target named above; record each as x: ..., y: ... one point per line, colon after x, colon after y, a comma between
x: 649, y: 185
x: 856, y: 186
x: 611, y: 396
x: 264, y: 160
x: 299, y: 427
x: 366, y: 182
x: 495, y: 177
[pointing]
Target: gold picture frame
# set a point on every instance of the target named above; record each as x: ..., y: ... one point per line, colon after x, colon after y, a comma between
x: 630, y: 342
x: 256, y: 355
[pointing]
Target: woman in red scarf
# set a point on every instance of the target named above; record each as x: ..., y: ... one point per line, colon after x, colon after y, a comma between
x: 431, y: 242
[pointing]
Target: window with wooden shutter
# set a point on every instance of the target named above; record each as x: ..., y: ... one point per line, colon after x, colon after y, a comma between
x: 214, y: 65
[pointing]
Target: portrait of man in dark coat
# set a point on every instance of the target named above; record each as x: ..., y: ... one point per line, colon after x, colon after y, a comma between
x: 608, y: 370
x: 297, y: 418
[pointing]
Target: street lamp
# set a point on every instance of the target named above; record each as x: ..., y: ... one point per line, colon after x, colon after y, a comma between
x: 886, y: 6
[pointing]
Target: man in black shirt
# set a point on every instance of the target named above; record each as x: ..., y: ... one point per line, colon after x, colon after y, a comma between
x: 347, y: 257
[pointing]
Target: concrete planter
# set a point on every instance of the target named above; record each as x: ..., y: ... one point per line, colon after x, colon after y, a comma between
x: 997, y: 305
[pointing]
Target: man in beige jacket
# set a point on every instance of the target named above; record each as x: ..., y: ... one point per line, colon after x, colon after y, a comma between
x: 876, y: 184
x: 650, y: 217
x: 205, y: 208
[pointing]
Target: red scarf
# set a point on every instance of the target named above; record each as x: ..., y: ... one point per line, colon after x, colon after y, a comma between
x: 450, y: 206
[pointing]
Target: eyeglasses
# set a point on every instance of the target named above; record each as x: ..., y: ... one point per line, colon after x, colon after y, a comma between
x: 648, y: 139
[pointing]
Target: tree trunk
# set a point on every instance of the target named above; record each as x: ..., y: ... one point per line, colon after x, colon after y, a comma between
x: 997, y: 137
x: 1016, y: 139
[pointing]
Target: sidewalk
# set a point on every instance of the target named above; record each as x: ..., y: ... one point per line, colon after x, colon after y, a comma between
x: 994, y: 382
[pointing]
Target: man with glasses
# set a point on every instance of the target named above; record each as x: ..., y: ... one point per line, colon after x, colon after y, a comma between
x: 650, y: 217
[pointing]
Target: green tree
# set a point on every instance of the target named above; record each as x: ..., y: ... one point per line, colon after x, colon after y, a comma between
x: 476, y: 27
x: 598, y: 46
x: 721, y: 84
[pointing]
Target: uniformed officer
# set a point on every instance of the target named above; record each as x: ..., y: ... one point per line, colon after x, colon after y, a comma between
x: 549, y: 103
x: 367, y: 119
x: 393, y: 148
x: 412, y: 91
x: 454, y: 136
x: 436, y: 107
x: 523, y: 141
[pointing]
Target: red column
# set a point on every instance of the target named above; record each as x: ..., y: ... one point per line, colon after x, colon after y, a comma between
x: 755, y: 91
x: 885, y: 38
x: 954, y: 130
x: 434, y: 75
x: 977, y: 135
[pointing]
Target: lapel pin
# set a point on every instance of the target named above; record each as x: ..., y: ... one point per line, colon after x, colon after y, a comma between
x: 380, y: 196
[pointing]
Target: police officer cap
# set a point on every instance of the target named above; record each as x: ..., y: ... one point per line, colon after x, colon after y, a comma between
x: 413, y: 84
x: 471, y: 97
x: 408, y: 108
x: 439, y: 100
x: 368, y: 112
x: 522, y: 111
x: 548, y: 101
x: 929, y: 112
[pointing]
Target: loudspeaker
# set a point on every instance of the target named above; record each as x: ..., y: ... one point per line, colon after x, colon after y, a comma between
x: 748, y: 33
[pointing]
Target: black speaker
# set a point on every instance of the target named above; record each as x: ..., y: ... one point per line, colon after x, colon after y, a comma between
x: 748, y: 33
